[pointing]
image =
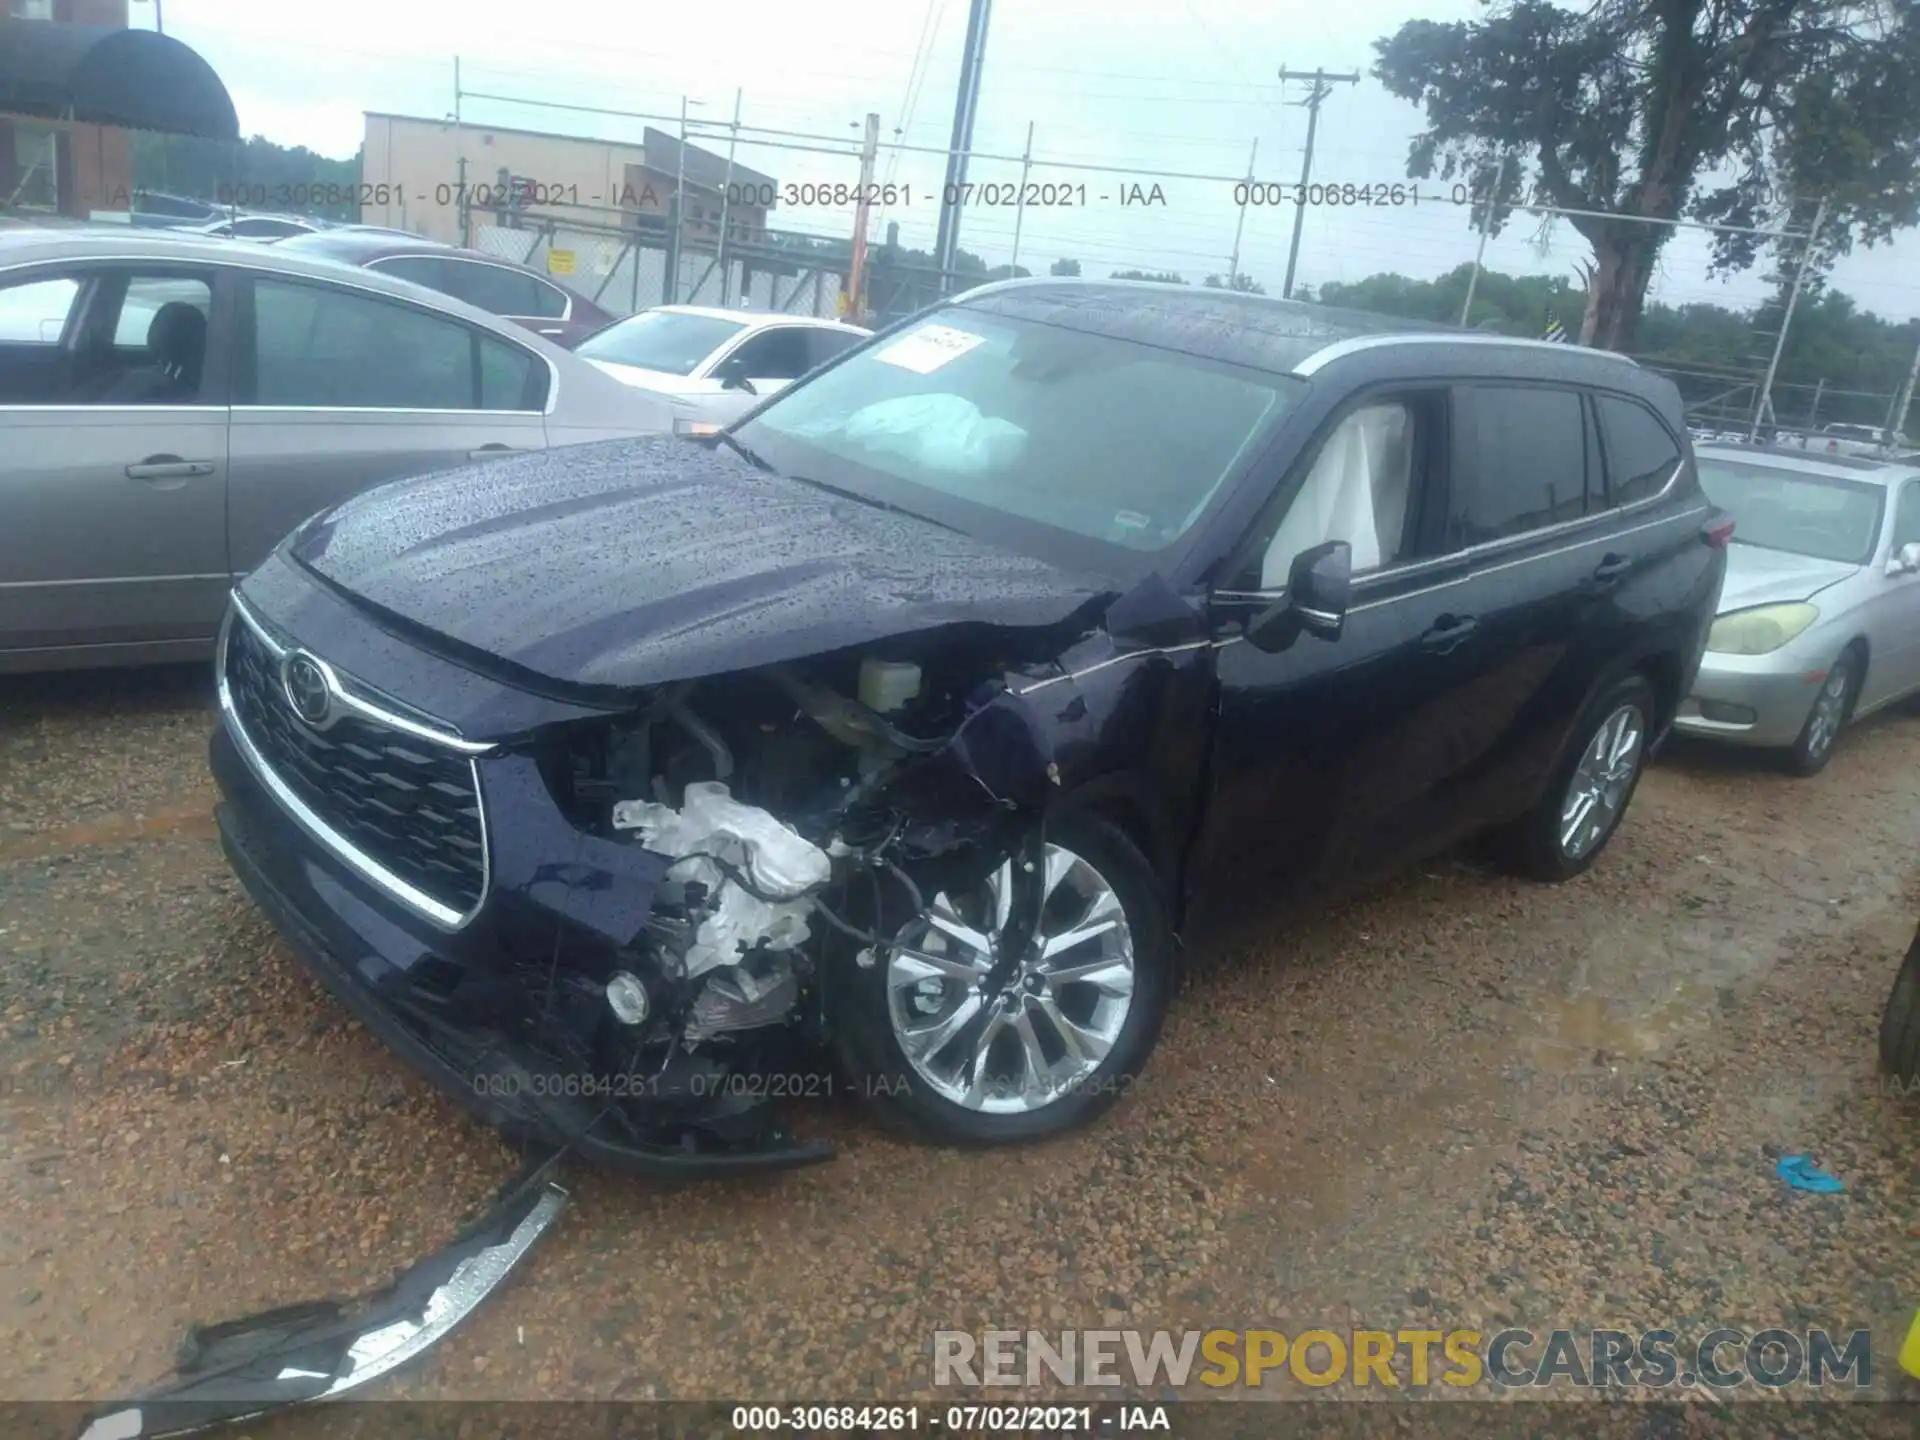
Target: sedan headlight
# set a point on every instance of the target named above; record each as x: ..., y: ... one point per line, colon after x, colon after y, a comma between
x: 1759, y: 631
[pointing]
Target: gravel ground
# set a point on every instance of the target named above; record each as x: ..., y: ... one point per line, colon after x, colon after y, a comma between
x: 1455, y: 1100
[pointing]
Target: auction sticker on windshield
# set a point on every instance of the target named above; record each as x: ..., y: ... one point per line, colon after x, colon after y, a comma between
x: 925, y: 350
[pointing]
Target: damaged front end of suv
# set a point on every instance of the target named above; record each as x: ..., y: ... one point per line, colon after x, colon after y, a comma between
x: 630, y: 912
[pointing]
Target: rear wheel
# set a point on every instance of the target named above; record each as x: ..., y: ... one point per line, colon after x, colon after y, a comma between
x: 1900, y: 1021
x: 1564, y: 834
x: 1832, y: 707
x: 990, y: 1026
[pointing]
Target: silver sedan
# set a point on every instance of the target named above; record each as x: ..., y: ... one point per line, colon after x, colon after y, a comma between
x: 172, y: 405
x: 1819, y: 619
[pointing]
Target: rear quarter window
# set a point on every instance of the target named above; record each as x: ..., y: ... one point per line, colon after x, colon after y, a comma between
x: 1641, y: 455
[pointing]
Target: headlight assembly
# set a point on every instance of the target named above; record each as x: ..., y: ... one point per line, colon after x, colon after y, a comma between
x: 1759, y: 631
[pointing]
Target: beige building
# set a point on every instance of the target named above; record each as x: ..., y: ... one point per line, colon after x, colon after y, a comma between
x: 412, y: 175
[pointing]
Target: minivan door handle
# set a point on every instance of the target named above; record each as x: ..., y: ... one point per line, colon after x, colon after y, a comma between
x: 1448, y: 634
x: 168, y: 467
x: 1611, y: 568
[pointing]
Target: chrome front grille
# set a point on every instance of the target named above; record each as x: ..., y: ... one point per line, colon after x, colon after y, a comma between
x: 398, y: 802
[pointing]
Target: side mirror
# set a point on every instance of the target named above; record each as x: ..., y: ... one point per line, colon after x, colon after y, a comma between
x: 1906, y: 560
x: 1319, y: 585
x: 731, y: 380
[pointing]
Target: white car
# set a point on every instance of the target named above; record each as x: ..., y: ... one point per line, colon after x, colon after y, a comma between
x: 712, y: 365
x: 1860, y: 440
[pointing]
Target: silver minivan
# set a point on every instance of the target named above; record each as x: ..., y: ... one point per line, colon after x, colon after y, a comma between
x: 171, y: 406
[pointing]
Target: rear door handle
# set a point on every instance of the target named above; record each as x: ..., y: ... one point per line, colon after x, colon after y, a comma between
x: 1448, y: 633
x: 1611, y: 568
x: 168, y: 467
x: 492, y: 452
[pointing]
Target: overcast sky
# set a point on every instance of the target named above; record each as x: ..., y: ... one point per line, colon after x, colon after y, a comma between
x: 1155, y: 88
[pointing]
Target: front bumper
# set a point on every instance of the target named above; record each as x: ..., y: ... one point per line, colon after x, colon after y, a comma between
x: 459, y: 1004
x: 1759, y: 700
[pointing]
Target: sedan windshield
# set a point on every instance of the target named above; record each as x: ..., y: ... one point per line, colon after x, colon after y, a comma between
x: 662, y: 340
x: 1780, y: 509
x: 1112, y: 441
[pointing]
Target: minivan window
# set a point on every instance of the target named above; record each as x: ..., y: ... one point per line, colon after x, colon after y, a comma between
x: 1641, y: 455
x: 663, y: 340
x: 1519, y: 462
x: 1111, y: 440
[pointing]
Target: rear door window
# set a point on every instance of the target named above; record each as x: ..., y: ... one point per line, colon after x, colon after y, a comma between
x: 1519, y: 462
x: 316, y: 346
x: 1641, y: 455
x: 493, y: 288
x: 827, y: 344
x: 781, y: 354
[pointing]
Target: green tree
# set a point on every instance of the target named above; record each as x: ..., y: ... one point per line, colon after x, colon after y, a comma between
x: 1166, y: 277
x: 1741, y: 112
x: 1245, y: 284
x: 256, y: 175
x: 1065, y: 267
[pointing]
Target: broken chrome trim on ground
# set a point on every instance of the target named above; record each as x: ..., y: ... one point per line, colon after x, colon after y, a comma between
x: 239, y: 1369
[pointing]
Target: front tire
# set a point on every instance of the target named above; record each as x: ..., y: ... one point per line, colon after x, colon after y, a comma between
x: 1832, y: 708
x: 1591, y: 788
x: 1900, y: 1021
x: 967, y: 1042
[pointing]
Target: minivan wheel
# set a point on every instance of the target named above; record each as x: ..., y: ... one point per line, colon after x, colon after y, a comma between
x: 980, y: 1038
x: 1900, y: 1021
x: 1591, y: 787
x: 1832, y: 707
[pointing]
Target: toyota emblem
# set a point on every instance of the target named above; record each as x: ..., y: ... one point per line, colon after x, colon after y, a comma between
x: 308, y: 693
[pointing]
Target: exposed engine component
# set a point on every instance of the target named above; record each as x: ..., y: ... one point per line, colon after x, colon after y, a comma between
x: 888, y: 685
x: 720, y: 842
x: 627, y: 998
x: 758, y: 991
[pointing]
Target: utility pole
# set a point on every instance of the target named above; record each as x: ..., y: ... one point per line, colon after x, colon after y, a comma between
x: 726, y: 192
x: 1020, y: 197
x: 460, y: 160
x: 1240, y: 225
x: 862, y: 212
x: 1486, y: 224
x: 672, y: 285
x: 1897, y: 420
x: 1322, y: 88
x: 946, y: 243
x: 1764, y: 404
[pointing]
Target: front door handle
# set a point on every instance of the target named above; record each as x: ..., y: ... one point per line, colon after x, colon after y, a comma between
x: 491, y: 452
x: 168, y: 467
x: 1448, y: 634
x: 1611, y: 568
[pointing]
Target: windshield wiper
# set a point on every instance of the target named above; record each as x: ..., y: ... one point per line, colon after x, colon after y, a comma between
x: 887, y: 506
x: 745, y: 452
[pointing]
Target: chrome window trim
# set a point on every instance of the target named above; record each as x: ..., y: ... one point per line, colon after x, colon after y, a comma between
x: 415, y: 899
x: 1373, y: 579
x: 1486, y: 548
x: 257, y: 264
x: 1360, y: 344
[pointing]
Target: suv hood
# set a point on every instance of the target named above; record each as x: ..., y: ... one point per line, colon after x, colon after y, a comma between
x: 642, y: 561
x: 1758, y: 576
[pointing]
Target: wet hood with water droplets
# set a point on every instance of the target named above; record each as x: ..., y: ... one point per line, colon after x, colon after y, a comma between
x: 643, y: 561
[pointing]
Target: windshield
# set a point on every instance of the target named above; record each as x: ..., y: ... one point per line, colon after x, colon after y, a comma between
x: 1109, y: 440
x: 1780, y: 509
x: 661, y: 340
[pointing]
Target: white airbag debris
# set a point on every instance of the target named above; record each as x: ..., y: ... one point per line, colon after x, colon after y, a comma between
x: 775, y: 858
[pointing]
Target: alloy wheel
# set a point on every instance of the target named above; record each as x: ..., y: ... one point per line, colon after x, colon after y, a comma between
x: 1006, y: 1027
x: 1601, y: 782
x: 1829, y: 712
